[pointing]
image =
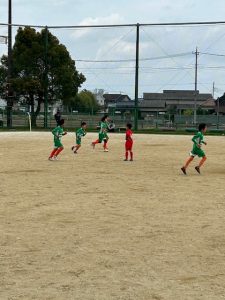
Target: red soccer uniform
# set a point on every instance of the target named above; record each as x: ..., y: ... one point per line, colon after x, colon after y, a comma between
x: 129, y: 140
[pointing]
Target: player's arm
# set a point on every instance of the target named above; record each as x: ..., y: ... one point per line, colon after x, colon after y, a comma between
x: 196, y: 139
x: 55, y: 132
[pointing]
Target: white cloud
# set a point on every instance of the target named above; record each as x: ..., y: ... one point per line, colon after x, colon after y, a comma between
x: 107, y: 20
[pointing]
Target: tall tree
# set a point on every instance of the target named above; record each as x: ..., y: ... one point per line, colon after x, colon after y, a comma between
x: 85, y: 101
x: 40, y: 62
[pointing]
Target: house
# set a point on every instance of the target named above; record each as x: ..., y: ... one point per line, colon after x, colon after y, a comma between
x: 209, y: 105
x: 176, y: 100
x: 220, y: 105
x: 112, y: 99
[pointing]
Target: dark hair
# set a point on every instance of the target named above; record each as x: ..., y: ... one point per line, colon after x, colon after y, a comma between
x: 103, y: 118
x: 83, y: 123
x: 201, y: 126
x: 129, y: 125
x: 61, y: 122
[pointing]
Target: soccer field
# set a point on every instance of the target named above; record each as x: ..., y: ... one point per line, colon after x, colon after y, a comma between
x: 93, y: 227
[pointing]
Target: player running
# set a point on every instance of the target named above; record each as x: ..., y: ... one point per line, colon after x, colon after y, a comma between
x: 129, y: 143
x: 79, y: 134
x: 103, y: 136
x: 58, y: 132
x: 198, y: 140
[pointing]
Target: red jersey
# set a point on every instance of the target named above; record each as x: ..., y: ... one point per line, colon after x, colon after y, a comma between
x: 129, y: 135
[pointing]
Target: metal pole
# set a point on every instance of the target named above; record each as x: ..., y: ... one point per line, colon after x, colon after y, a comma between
x: 196, y: 84
x: 136, y: 78
x: 9, y: 75
x: 46, y: 80
x: 218, y: 113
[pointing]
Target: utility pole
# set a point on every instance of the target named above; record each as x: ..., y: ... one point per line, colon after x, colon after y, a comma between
x: 196, y: 84
x: 213, y: 93
x: 9, y: 74
x: 46, y: 80
x: 136, y: 78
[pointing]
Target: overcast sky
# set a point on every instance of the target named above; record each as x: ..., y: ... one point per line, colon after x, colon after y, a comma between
x: 119, y: 43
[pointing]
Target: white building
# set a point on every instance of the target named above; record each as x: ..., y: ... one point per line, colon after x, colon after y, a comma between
x: 98, y: 93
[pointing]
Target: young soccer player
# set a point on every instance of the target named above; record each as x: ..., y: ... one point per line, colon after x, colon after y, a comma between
x: 198, y: 140
x: 129, y: 143
x: 103, y: 136
x: 79, y: 134
x: 58, y: 132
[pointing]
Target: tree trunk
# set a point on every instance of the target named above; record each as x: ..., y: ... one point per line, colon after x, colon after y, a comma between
x: 40, y: 100
x: 33, y: 117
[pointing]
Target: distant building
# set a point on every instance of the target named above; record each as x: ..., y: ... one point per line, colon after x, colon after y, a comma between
x: 178, y: 100
x: 98, y: 93
x: 113, y: 99
x: 2, y: 103
x: 220, y: 105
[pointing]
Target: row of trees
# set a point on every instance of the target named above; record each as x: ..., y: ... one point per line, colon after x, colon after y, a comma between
x: 42, y: 66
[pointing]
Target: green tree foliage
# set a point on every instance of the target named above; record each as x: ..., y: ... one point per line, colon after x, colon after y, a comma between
x: 85, y: 102
x: 188, y: 112
x: 3, y: 79
x: 41, y: 63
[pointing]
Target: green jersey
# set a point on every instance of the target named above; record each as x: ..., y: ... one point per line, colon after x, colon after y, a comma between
x: 103, y: 127
x: 103, y: 132
x: 58, y: 132
x: 198, y: 139
x: 79, y: 134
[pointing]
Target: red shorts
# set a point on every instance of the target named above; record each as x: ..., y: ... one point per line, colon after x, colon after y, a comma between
x: 128, y: 145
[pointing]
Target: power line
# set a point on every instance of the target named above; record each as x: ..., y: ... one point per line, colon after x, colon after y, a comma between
x: 119, y: 25
x: 212, y: 54
x: 133, y: 60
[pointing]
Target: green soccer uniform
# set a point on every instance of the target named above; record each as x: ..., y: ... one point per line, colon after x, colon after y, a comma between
x: 79, y: 133
x: 58, y: 133
x: 198, y: 139
x: 103, y: 132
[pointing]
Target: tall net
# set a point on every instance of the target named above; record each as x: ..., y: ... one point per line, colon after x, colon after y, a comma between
x: 106, y: 56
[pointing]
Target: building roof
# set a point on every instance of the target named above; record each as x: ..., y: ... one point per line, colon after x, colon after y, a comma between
x: 152, y: 104
x: 209, y: 103
x: 125, y: 104
x: 116, y: 97
x: 171, y: 95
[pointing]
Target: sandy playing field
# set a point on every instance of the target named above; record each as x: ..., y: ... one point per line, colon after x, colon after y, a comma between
x: 93, y: 227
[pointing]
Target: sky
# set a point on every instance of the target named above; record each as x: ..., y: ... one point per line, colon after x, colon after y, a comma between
x: 166, y: 58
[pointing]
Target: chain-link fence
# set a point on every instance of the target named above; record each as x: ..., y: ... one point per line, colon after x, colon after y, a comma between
x: 107, y: 56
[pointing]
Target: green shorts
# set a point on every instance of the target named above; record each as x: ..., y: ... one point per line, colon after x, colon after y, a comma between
x: 103, y: 136
x: 197, y: 151
x: 57, y: 143
x: 78, y: 141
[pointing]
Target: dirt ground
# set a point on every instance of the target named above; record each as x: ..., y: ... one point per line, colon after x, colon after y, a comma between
x: 93, y: 227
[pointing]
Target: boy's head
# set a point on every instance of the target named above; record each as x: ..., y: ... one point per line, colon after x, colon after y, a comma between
x: 202, y: 127
x: 105, y: 118
x: 129, y: 125
x: 61, y: 122
x: 83, y: 125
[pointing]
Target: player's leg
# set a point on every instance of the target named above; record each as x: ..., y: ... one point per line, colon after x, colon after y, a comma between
x: 59, y: 150
x: 202, y: 161
x: 131, y: 152
x: 188, y: 161
x: 98, y: 141
x: 76, y: 148
x: 78, y: 145
x: 52, y: 153
x: 106, y: 139
x: 131, y: 155
x: 126, y: 152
